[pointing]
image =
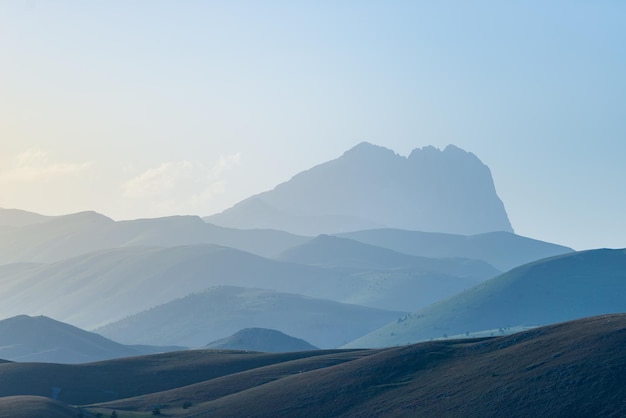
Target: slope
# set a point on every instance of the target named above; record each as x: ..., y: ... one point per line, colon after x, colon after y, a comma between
x: 41, y: 339
x: 80, y: 384
x: 36, y: 406
x: 556, y: 289
x: 564, y: 370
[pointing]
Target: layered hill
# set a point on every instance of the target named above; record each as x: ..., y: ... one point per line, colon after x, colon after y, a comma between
x: 42, y: 339
x: 56, y: 238
x: 503, y: 250
x: 331, y: 251
x: 94, y: 289
x: 108, y: 285
x: 81, y: 384
x: 372, y: 187
x: 569, y: 369
x: 547, y: 291
x: 221, y: 311
x: 261, y: 339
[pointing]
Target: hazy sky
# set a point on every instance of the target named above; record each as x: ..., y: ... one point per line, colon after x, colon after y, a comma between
x: 152, y: 108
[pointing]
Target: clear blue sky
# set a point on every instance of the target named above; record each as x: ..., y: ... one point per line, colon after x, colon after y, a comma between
x: 151, y: 108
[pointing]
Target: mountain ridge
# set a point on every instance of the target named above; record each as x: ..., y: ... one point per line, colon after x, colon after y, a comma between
x: 431, y: 190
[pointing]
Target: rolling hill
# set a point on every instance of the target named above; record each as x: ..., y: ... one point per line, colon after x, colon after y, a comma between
x: 221, y: 311
x: 81, y: 384
x: 569, y: 369
x: 36, y: 406
x: 261, y: 339
x: 547, y: 291
x: 372, y: 187
x: 42, y: 339
x: 565, y: 370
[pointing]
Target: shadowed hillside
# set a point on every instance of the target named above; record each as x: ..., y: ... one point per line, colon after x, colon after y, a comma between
x: 23, y: 338
x: 564, y: 370
x: 134, y: 376
x: 568, y: 369
x: 35, y: 407
x: 556, y: 289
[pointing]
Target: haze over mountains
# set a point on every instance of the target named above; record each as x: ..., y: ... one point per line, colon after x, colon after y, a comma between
x: 413, y: 249
x: 218, y: 312
x: 372, y: 187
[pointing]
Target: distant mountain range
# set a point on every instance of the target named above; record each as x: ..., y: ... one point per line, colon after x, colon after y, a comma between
x: 569, y: 369
x: 372, y: 187
x: 61, y: 237
x: 547, y: 291
x: 261, y: 339
x: 502, y: 250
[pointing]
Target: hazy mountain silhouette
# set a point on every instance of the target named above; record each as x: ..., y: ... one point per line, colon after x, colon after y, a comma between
x: 569, y: 369
x: 17, y: 217
x: 94, y: 289
x: 331, y: 251
x: 221, y: 311
x: 261, y: 339
x: 502, y: 250
x: 104, y: 286
x: 556, y: 289
x: 42, y: 339
x: 372, y: 187
x: 61, y: 237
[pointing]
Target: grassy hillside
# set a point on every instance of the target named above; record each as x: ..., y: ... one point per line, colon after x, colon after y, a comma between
x: 564, y: 370
x: 556, y: 289
x: 568, y: 369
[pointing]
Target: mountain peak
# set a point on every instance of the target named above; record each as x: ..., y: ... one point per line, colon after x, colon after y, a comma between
x: 366, y: 149
x: 432, y: 190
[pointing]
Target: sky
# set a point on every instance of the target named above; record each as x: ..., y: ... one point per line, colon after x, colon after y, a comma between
x: 152, y: 108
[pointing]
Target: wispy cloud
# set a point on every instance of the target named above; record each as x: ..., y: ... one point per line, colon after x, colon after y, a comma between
x: 181, y: 185
x: 160, y: 180
x: 35, y: 165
